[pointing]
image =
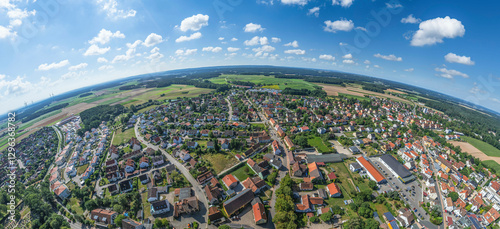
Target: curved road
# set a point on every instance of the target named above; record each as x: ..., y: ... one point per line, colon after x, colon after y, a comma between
x: 196, y: 186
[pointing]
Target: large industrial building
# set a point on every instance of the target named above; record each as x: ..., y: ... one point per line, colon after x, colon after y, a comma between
x: 396, y: 168
x: 372, y: 172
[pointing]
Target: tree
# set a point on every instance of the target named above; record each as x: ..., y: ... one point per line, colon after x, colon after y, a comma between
x: 224, y: 227
x: 337, y: 210
x: 326, y: 217
x: 373, y: 185
x: 314, y: 219
x: 371, y: 224
x: 117, y: 208
x: 355, y: 223
x: 118, y: 220
x: 453, y: 196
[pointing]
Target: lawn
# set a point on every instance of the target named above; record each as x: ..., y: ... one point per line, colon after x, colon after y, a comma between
x: 70, y: 185
x: 220, y: 162
x: 360, y: 98
x: 318, y: 143
x: 380, y: 209
x: 122, y: 137
x: 280, y: 83
x: 242, y: 173
x: 74, y: 205
x: 146, y: 205
x: 80, y: 170
x: 343, y: 175
x: 483, y: 146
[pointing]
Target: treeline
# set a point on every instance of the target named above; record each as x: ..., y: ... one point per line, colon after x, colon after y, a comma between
x: 185, y: 81
x: 93, y: 117
x: 85, y: 94
x: 375, y: 87
x: 44, y: 111
x: 129, y: 87
x: 305, y: 92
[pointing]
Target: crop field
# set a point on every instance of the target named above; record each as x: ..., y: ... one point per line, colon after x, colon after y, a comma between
x: 261, y: 79
x: 483, y: 146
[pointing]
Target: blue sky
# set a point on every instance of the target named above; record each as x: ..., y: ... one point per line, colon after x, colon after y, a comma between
x: 54, y: 46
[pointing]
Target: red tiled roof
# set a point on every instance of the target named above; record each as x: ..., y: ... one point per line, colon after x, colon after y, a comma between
x: 371, y: 169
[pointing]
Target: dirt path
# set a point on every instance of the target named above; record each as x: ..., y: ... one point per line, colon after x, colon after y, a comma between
x: 473, y: 151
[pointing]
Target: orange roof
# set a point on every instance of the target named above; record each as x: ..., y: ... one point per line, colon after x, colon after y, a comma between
x: 333, y: 189
x: 371, y: 169
x: 259, y: 212
x: 229, y: 179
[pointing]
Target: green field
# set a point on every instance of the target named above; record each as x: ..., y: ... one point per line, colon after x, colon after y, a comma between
x: 261, y: 79
x: 80, y: 170
x: 360, y: 98
x: 220, y: 161
x: 318, y: 143
x: 122, y: 137
x: 241, y: 174
x: 483, y: 146
x: 492, y: 164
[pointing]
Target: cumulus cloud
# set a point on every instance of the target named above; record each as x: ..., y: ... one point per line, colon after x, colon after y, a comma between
x: 454, y: 58
x: 367, y: 62
x: 294, y: 44
x: 232, y: 49
x: 152, y: 39
x: 78, y: 67
x: 343, y: 3
x: 450, y: 73
x: 314, y: 11
x: 105, y: 36
x: 411, y: 20
x: 347, y: 56
x: 102, y: 60
x: 252, y: 28
x: 347, y: 61
x: 326, y: 57
x: 275, y: 39
x: 409, y: 70
x: 393, y: 6
x: 185, y: 52
x: 105, y: 67
x: 6, y: 32
x: 212, y: 49
x: 339, y: 25
x: 234, y: 39
x: 17, y: 15
x: 193, y: 36
x: 391, y: 57
x: 95, y: 50
x: 194, y: 23
x: 295, y: 51
x: 46, y: 67
x: 294, y: 2
x: 112, y: 11
x: 435, y: 30
x: 16, y: 86
x: 256, y: 41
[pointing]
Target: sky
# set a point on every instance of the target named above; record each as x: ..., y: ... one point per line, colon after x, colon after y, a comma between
x: 54, y: 46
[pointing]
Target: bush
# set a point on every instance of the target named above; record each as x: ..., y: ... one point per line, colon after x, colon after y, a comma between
x: 314, y: 219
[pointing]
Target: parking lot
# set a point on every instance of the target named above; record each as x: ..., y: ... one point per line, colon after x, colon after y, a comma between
x: 411, y: 193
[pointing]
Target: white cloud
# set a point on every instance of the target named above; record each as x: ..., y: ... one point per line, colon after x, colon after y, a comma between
x: 339, y: 25
x: 234, y: 39
x: 393, y: 6
x: 295, y: 51
x: 376, y: 66
x: 102, y: 60
x: 17, y: 86
x: 70, y: 75
x: 6, y: 32
x: 314, y: 11
x: 95, y: 50
x: 294, y: 44
x: 450, y: 73
x: 252, y: 28
x: 342, y: 44
x: 17, y: 15
x: 434, y: 30
x: 105, y: 36
x: 193, y: 36
x: 275, y: 40
x: 327, y: 57
x: 410, y: 19
x: 231, y: 49
x: 391, y: 57
x: 294, y: 2
x: 348, y: 61
x: 367, y: 62
x: 256, y: 41
x: 155, y: 56
x: 112, y: 11
x: 409, y: 70
x: 221, y: 38
x: 105, y: 67
x: 347, y: 56
x: 46, y: 67
x: 343, y: 3
x: 154, y: 50
x: 187, y: 52
x: 265, y: 48
x: 212, y: 49
x: 194, y: 23
x: 152, y: 39
x: 454, y: 58
x: 78, y: 67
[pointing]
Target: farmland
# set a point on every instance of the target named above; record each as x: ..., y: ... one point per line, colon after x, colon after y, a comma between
x: 275, y: 83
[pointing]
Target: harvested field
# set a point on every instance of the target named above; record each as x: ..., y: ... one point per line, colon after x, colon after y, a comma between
x: 335, y: 90
x: 473, y: 151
